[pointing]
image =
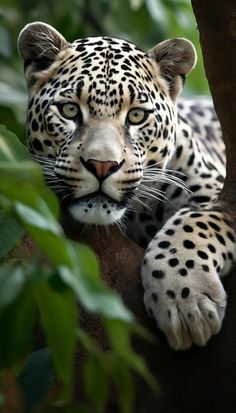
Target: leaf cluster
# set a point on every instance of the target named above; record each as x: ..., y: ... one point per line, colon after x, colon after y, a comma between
x: 34, y: 289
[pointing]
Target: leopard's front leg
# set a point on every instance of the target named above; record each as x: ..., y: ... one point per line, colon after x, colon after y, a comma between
x: 181, y: 276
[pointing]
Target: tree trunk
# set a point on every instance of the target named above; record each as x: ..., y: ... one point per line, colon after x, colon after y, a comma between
x: 217, y: 27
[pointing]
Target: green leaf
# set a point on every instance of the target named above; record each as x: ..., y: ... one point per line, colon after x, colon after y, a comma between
x: 17, y: 171
x: 36, y: 378
x: 96, y: 384
x: 124, y: 385
x: 58, y: 313
x: 57, y: 248
x: 24, y: 182
x: 95, y: 296
x: 119, y: 335
x: 16, y: 327
x: 84, y: 256
x: 11, y: 149
x: 10, y: 232
x: 12, y: 280
x: 34, y: 219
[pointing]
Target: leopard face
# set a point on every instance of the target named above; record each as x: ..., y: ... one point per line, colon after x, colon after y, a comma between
x: 100, y: 112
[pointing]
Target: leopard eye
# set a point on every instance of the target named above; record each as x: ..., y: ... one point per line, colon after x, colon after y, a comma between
x: 137, y: 116
x: 69, y: 110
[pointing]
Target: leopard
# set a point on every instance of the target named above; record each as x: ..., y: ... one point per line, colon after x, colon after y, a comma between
x: 119, y: 146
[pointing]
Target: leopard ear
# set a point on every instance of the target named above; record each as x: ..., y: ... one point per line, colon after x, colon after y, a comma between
x: 175, y: 57
x: 38, y: 44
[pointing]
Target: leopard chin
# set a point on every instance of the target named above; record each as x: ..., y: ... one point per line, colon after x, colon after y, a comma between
x: 96, y: 209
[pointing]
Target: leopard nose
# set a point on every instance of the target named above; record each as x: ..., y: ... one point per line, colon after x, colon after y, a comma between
x: 101, y: 169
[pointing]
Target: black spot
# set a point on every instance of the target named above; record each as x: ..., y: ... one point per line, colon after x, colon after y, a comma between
x: 189, y: 264
x: 205, y: 268
x: 164, y: 244
x: 220, y: 238
x: 211, y: 248
x: 214, y: 226
x: 200, y: 199
x: 202, y: 235
x: 214, y: 217
x: 230, y: 256
x: 188, y: 244
x: 201, y: 225
x: 154, y: 297
x: 195, y: 215
x: 170, y: 232
x: 185, y: 292
x: 191, y: 159
x: 177, y: 221
x: 164, y: 151
x: 47, y: 142
x: 173, y: 262
x: 220, y: 178
x: 186, y: 134
x: 215, y: 263
x: 37, y: 145
x: 183, y: 272
x: 195, y: 188
x: 79, y: 88
x: 176, y: 193
x: 159, y: 256
x: 165, y: 133
x: 202, y: 255
x: 187, y: 228
x: 151, y: 162
x: 205, y: 176
x: 158, y: 274
x: 179, y: 151
x: 35, y: 125
x: 173, y: 250
x: 170, y: 294
x: 230, y: 236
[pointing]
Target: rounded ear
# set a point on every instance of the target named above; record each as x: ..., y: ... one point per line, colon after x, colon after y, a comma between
x: 175, y: 57
x: 38, y: 44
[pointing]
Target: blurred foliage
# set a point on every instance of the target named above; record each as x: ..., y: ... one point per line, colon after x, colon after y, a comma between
x: 35, y: 289
x: 145, y: 22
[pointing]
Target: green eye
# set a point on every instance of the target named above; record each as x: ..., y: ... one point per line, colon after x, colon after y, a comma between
x: 69, y: 110
x: 137, y: 116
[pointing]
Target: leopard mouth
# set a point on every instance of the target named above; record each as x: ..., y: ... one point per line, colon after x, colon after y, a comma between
x: 99, y: 198
x: 95, y: 208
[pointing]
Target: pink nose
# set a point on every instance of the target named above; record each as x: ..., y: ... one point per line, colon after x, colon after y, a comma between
x: 102, y: 169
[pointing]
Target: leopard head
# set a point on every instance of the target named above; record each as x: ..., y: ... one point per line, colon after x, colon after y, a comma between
x: 100, y: 112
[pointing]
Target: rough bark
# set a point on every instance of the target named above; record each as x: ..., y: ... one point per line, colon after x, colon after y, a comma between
x: 216, y: 22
